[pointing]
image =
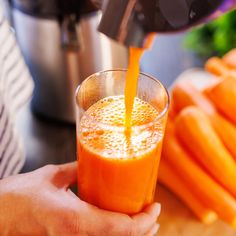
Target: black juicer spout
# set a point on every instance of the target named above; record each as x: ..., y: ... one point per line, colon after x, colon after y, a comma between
x: 130, y: 21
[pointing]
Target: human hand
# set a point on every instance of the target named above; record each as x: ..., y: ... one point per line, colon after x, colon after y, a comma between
x: 40, y: 203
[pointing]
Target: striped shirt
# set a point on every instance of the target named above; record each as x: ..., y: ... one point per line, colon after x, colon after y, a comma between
x: 15, y: 89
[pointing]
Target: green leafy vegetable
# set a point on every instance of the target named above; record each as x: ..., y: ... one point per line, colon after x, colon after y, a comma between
x: 215, y: 38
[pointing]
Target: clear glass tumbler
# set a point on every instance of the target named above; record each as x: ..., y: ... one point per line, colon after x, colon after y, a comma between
x: 118, y: 171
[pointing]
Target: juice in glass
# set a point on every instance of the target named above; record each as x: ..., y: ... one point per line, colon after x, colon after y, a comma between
x: 117, y: 167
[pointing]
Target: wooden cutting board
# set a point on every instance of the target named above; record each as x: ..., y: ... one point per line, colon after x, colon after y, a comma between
x: 177, y: 220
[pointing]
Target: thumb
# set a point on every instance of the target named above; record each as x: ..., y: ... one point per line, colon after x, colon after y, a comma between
x: 65, y: 175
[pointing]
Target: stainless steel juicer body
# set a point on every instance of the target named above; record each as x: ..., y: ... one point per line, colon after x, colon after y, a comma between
x: 62, y: 48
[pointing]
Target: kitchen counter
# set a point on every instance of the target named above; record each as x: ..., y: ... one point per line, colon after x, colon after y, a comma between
x: 51, y: 142
x: 46, y: 141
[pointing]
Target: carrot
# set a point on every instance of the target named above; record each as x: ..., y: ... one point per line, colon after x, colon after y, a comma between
x: 226, y: 131
x: 172, y: 110
x: 169, y: 178
x: 230, y: 59
x: 196, y: 132
x: 223, y: 95
x: 185, y: 94
x: 199, y: 183
x: 216, y: 66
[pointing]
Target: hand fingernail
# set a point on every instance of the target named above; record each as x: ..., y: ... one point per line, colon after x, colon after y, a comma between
x: 155, y: 229
x: 157, y: 209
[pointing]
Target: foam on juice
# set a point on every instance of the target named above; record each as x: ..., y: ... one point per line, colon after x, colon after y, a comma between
x: 102, y: 128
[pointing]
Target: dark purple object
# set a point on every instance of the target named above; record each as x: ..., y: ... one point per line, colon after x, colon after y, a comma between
x: 227, y: 5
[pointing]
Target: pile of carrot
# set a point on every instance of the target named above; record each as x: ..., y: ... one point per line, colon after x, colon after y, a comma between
x: 198, y: 159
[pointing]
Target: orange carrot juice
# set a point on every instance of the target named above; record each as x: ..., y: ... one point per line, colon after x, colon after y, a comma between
x: 120, y: 124
x: 118, y: 170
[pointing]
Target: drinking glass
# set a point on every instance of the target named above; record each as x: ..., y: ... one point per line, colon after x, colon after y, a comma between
x: 112, y: 178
